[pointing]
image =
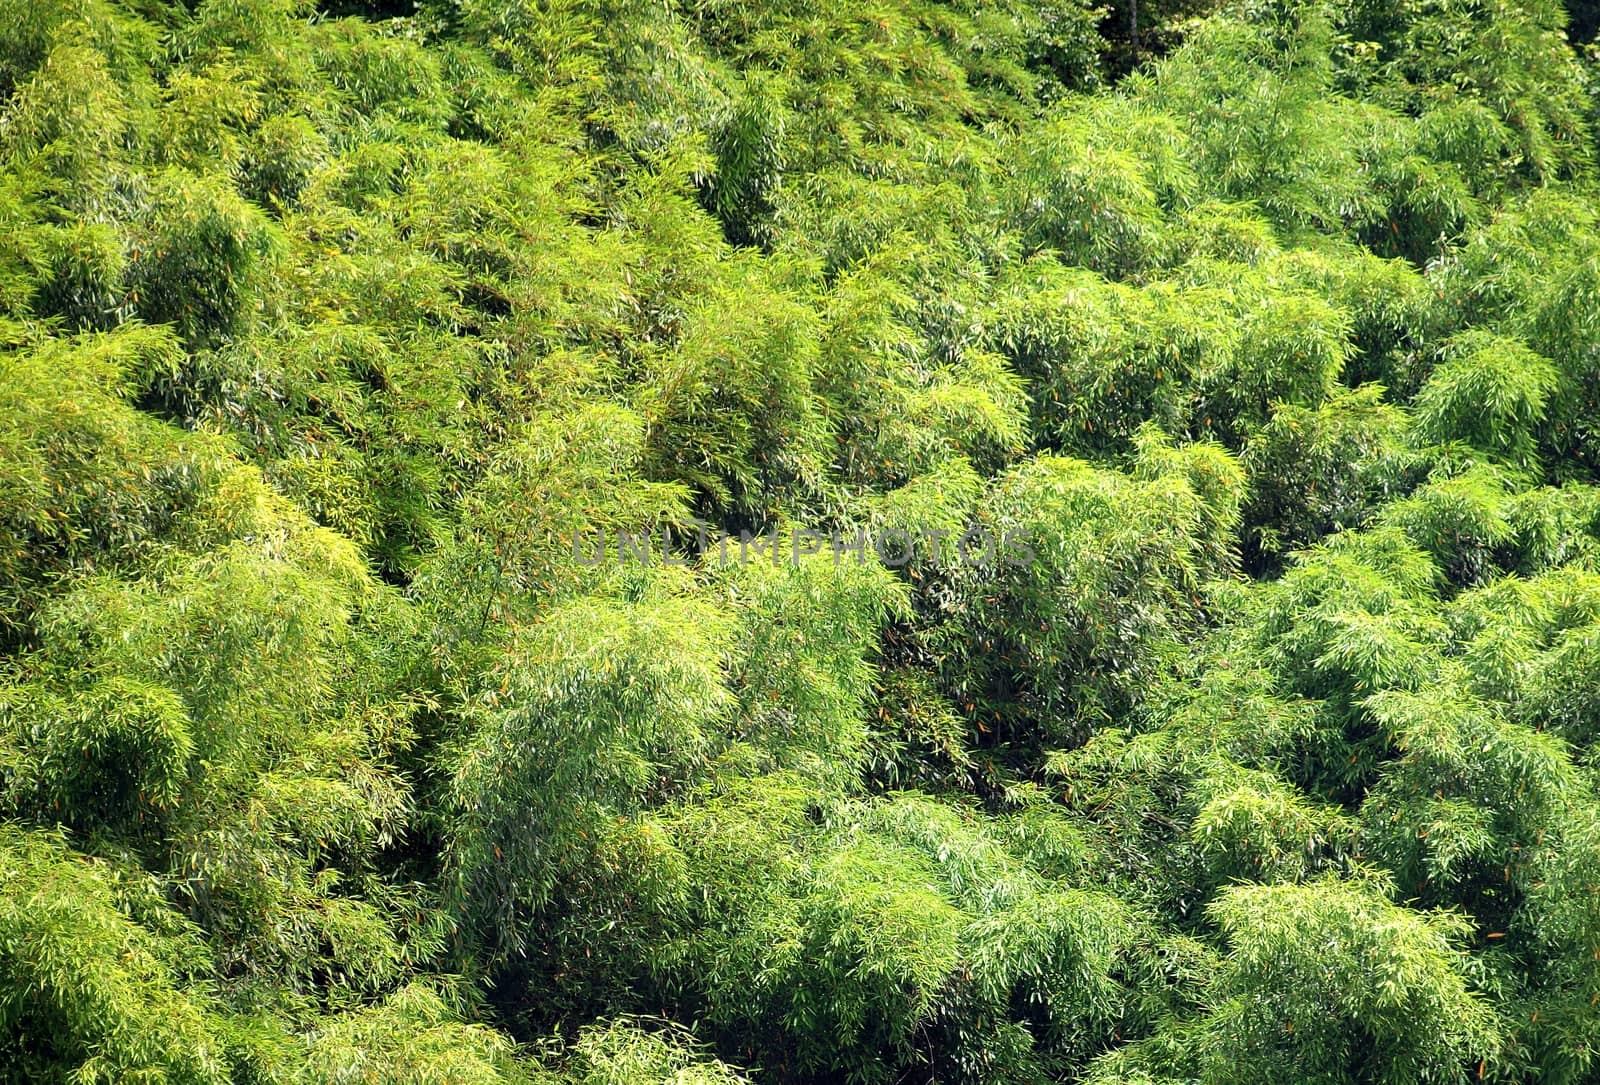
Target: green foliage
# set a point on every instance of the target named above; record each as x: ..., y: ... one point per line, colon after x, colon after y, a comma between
x: 1291, y: 350
x: 414, y: 1036
x: 1080, y: 194
x: 731, y: 411
x: 1256, y: 827
x: 1458, y: 521
x: 92, y: 995
x: 1511, y: 58
x: 1269, y: 127
x: 809, y: 631
x: 640, y: 1052
x: 591, y: 712
x: 200, y: 257
x: 1320, y: 470
x: 749, y: 150
x: 85, y: 476
x: 889, y: 923
x: 1091, y: 574
x: 1489, y: 394
x: 119, y: 751
x: 1330, y: 975
x: 1102, y: 359
x: 562, y: 487
x: 636, y: 542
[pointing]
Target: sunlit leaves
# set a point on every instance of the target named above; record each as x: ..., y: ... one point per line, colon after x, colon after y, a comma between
x: 1239, y: 418
x: 1090, y: 572
x: 87, y: 478
x: 1316, y: 470
x: 591, y: 713
x: 104, y: 757
x: 732, y: 410
x: 527, y: 532
x: 1313, y: 966
x: 116, y: 1000
x: 640, y: 1051
x: 810, y: 632
x: 201, y: 256
x: 1491, y: 394
x: 1080, y: 194
x: 413, y: 1037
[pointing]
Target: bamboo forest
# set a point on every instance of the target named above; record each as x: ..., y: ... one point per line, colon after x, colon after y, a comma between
x: 799, y: 542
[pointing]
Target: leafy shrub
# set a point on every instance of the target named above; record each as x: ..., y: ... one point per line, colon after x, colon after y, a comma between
x: 201, y: 254
x: 1490, y: 394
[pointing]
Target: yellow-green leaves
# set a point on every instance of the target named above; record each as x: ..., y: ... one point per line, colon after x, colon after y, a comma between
x: 594, y: 712
x: 103, y: 988
x: 1490, y: 393
x: 1314, y: 967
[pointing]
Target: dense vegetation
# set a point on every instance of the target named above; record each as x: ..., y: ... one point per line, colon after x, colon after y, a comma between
x: 326, y: 757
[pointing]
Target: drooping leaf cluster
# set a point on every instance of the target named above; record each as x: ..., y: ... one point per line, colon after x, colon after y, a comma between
x: 606, y: 542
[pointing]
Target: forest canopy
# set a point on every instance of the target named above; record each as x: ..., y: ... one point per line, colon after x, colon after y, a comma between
x: 1264, y: 336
